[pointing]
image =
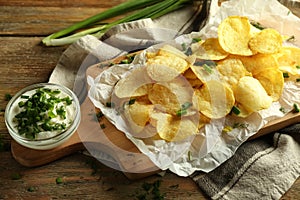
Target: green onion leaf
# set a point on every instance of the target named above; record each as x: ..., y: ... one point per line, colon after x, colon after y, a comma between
x: 8, y: 97
x: 290, y: 39
x: 59, y: 180
x: 282, y: 109
x: 183, y: 45
x: 285, y: 75
x: 146, y: 9
x: 195, y: 40
x: 257, y: 25
x: 235, y: 110
x: 207, y: 68
x: 102, y: 126
x: 131, y: 101
x: 24, y: 97
x: 186, y: 105
x: 189, y: 155
x: 181, y: 112
x: 110, y: 104
x: 296, y: 108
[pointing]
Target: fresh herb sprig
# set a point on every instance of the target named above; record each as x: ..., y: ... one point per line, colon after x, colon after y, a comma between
x: 38, y: 110
x: 145, y: 9
x: 183, y: 109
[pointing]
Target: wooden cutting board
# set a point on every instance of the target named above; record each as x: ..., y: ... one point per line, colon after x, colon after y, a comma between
x: 111, y: 141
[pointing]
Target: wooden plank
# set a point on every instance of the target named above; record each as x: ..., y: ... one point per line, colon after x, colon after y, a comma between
x: 41, y: 21
x: 84, y: 178
x: 63, y: 4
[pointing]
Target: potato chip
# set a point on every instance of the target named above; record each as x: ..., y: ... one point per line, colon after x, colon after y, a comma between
x: 187, y: 128
x: 144, y: 99
x: 171, y: 128
x: 234, y: 34
x: 231, y: 70
x: 195, y: 83
x: 134, y: 84
x: 169, y: 96
x: 181, y: 88
x: 288, y: 57
x: 272, y: 80
x: 150, y: 54
x: 168, y: 50
x: 210, y: 49
x: 289, y: 62
x: 267, y: 41
x: 136, y: 125
x: 192, y: 78
x: 164, y: 99
x: 140, y: 113
x: 171, y: 57
x: 203, y: 120
x: 205, y: 72
x: 251, y: 94
x: 161, y: 73
x: 259, y: 62
x: 189, y: 74
x: 214, y: 99
x: 290, y: 73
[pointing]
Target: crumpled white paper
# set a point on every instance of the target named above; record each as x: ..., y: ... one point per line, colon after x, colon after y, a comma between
x: 211, y: 148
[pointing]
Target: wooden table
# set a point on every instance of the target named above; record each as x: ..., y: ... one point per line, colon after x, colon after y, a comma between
x: 24, y: 61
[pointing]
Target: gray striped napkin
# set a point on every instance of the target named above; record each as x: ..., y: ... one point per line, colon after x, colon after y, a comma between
x: 264, y: 168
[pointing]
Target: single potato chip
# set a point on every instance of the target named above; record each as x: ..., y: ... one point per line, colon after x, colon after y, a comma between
x: 161, y: 73
x: 169, y: 96
x: 288, y: 57
x: 171, y: 128
x: 139, y: 128
x: 164, y: 99
x: 251, y: 94
x: 140, y: 113
x: 168, y: 50
x: 231, y: 70
x: 134, y: 84
x: 272, y: 80
x: 234, y: 34
x: 177, y: 63
x: 205, y: 72
x: 259, y: 62
x: 267, y: 41
x: 214, y: 99
x: 210, y: 49
x: 187, y: 128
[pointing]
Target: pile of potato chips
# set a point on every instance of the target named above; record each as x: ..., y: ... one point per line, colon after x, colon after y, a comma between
x: 176, y: 93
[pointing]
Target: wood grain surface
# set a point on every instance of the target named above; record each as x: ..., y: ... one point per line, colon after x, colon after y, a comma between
x: 24, y: 61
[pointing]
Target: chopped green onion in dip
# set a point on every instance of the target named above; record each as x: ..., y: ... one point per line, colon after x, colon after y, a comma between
x: 43, y: 113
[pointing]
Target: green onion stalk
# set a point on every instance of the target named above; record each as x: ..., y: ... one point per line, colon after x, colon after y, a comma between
x: 143, y: 9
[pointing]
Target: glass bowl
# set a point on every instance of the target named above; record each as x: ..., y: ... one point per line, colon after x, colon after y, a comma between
x: 43, y: 139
